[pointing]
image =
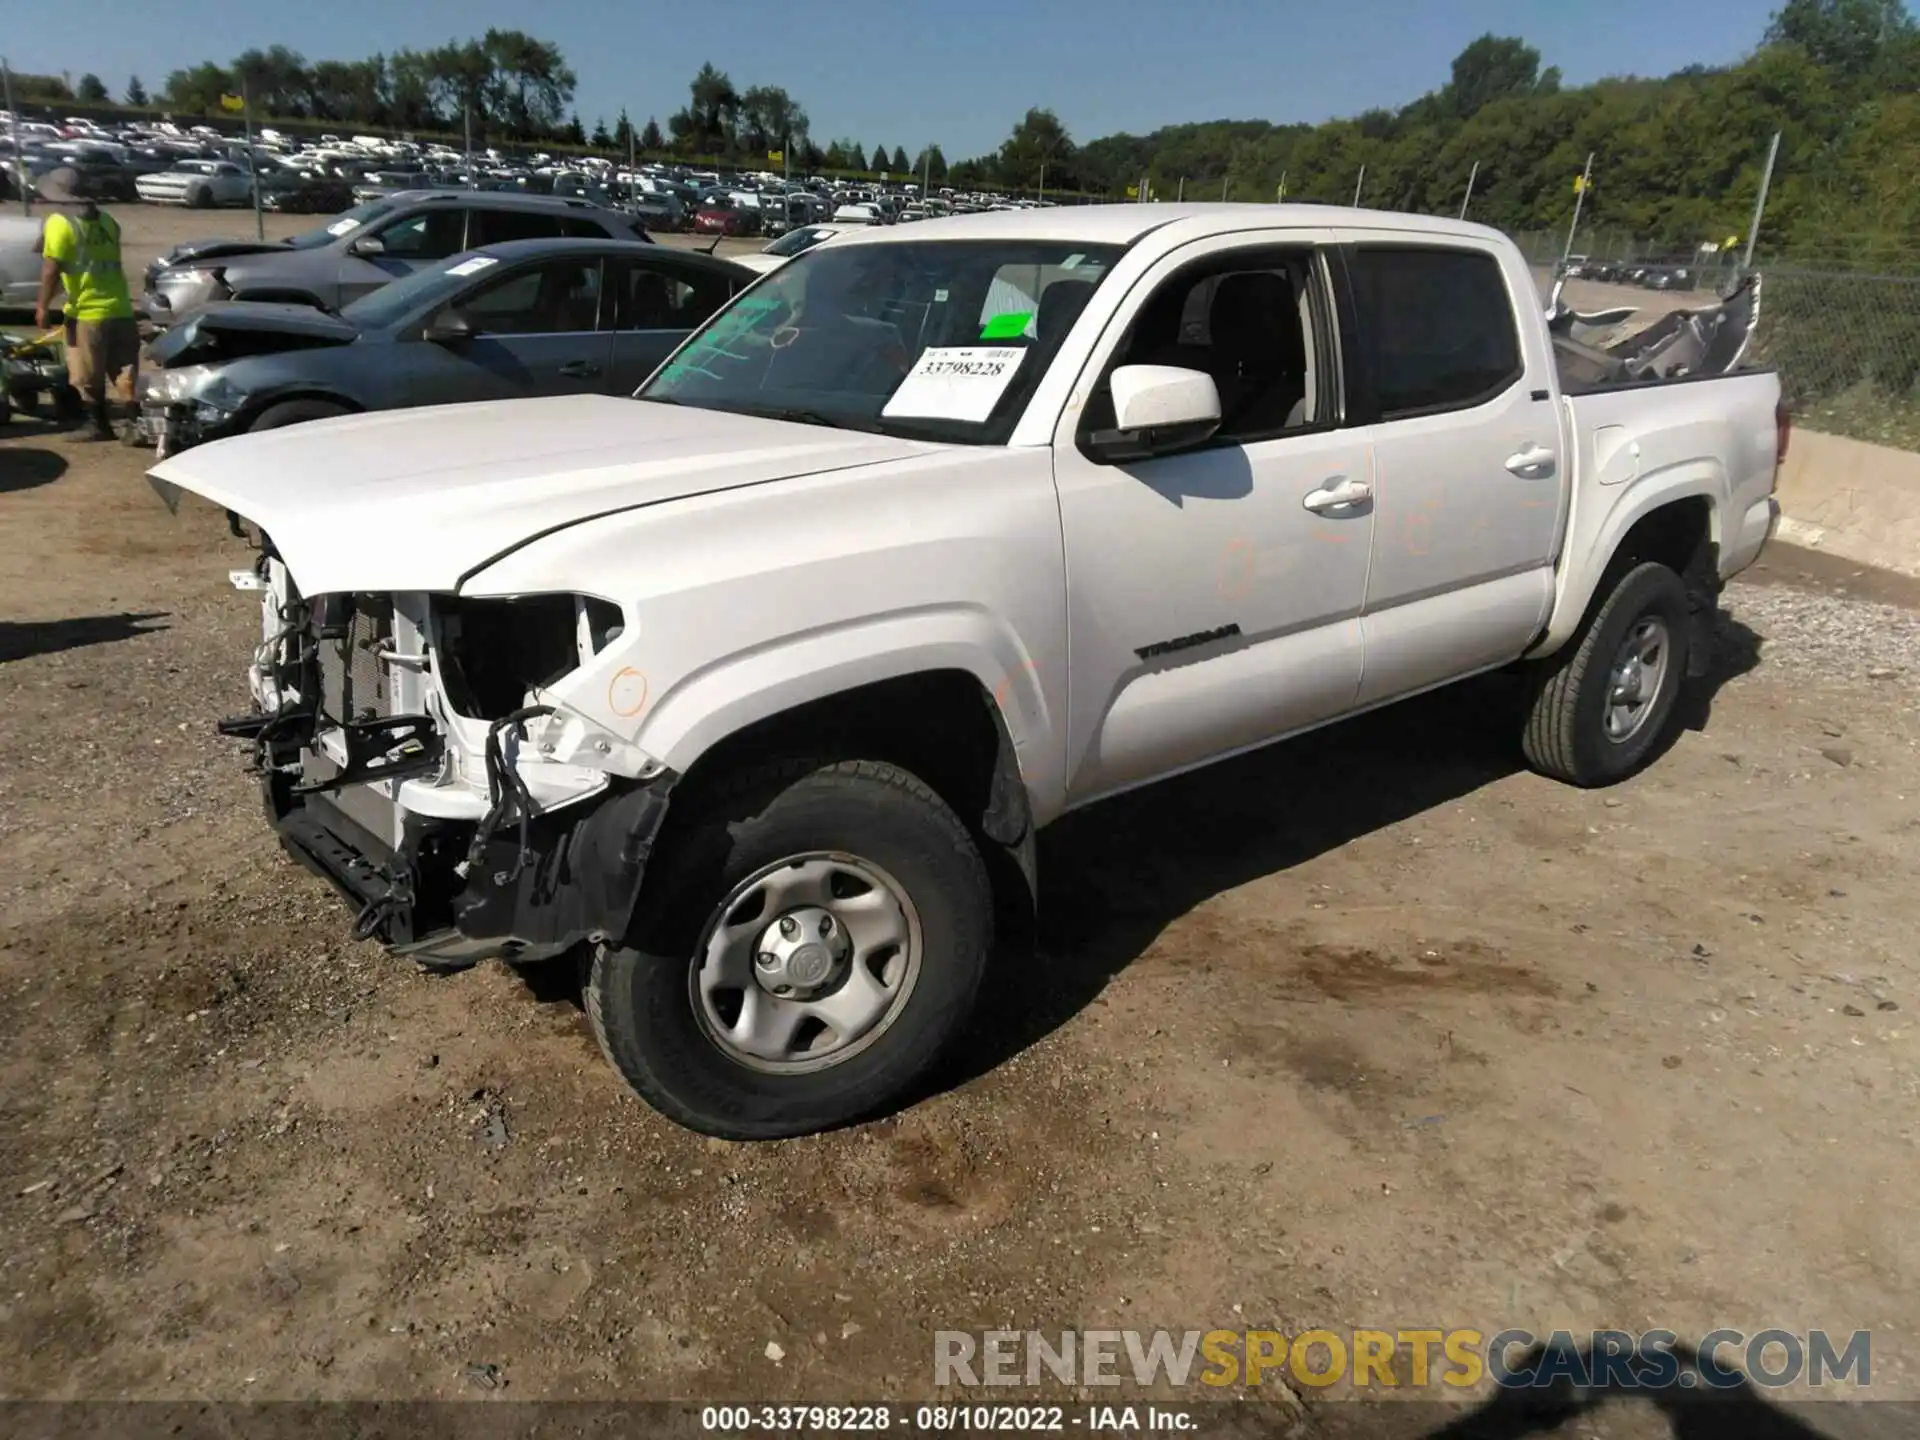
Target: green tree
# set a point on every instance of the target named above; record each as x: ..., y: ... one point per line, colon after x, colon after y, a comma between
x: 879, y: 160
x: 198, y: 90
x: 531, y: 84
x: 651, y: 140
x: 931, y: 163
x: 1496, y: 67
x: 136, y: 93
x: 571, y: 132
x: 601, y: 139
x: 623, y: 132
x: 1848, y: 35
x: 833, y: 157
x: 92, y: 90
x: 706, y: 125
x: 898, y: 163
x: 1039, y: 144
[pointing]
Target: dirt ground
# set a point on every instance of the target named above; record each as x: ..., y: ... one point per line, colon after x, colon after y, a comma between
x: 1371, y: 1029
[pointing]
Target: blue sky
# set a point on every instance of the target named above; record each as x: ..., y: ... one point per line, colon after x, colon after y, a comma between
x: 906, y: 72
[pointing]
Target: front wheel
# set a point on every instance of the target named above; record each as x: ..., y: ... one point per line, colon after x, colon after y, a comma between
x: 1600, y: 707
x: 296, y: 412
x: 819, y: 939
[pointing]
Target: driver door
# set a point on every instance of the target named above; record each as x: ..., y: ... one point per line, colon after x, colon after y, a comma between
x: 433, y: 233
x: 1217, y: 592
x: 537, y: 330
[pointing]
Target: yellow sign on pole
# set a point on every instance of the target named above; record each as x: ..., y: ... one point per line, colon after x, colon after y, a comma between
x: 233, y: 103
x: 1579, y: 184
x: 1133, y: 192
x: 776, y: 156
x: 1733, y: 241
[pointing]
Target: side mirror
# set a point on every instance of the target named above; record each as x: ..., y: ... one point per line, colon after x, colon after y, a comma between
x: 369, y: 245
x: 450, y: 328
x: 1157, y: 410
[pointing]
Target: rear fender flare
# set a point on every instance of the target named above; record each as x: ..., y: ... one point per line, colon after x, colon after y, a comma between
x: 727, y: 696
x: 1579, y: 581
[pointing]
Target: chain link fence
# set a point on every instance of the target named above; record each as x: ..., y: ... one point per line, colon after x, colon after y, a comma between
x: 1848, y: 348
x: 1846, y: 341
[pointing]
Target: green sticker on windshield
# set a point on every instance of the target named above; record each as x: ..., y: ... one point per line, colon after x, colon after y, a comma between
x: 1010, y: 326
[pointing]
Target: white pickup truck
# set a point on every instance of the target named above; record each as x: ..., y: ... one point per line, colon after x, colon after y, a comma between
x: 750, y: 692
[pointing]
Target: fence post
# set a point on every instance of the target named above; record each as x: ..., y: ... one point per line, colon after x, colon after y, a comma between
x: 1760, y: 201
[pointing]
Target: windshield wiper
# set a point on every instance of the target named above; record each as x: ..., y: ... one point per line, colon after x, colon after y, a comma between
x: 801, y: 416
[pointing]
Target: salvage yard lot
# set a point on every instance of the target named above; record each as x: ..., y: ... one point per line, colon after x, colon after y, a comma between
x: 1370, y: 1029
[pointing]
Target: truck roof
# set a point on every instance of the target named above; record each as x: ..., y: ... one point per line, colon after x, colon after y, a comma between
x: 1123, y: 223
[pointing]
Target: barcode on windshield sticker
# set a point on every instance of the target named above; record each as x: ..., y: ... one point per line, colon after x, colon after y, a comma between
x: 961, y: 382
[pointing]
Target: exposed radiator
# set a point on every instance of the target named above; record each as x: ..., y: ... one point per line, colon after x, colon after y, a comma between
x: 353, y: 683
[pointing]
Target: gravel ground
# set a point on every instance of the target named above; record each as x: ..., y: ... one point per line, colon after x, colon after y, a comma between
x: 1371, y: 1029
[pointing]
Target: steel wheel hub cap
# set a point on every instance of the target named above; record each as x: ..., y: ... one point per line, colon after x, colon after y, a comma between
x: 805, y: 963
x: 1639, y: 670
x: 800, y: 951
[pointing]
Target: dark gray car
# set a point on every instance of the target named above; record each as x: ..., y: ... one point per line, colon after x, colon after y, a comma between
x: 530, y: 317
x: 357, y: 252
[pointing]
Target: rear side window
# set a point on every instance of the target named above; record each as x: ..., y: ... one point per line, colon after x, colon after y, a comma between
x: 1436, y: 326
x: 586, y: 227
x: 663, y: 298
x: 495, y: 227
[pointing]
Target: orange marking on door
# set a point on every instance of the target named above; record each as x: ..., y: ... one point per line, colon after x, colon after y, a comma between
x: 1236, y: 569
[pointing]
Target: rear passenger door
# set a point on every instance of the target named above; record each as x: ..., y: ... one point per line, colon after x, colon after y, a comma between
x: 537, y: 330
x: 1467, y: 458
x: 658, y: 302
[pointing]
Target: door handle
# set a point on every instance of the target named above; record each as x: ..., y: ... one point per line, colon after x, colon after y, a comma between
x: 579, y: 367
x: 1532, y: 462
x: 1337, y: 494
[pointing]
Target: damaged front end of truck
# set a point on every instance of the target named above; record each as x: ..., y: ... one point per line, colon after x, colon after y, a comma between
x: 418, y: 750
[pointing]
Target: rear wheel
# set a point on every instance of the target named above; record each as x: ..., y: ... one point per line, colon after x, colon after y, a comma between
x: 1601, y: 706
x: 296, y: 412
x: 818, y: 941
x: 200, y: 197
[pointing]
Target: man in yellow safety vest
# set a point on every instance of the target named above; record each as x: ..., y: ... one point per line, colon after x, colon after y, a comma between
x: 80, y: 249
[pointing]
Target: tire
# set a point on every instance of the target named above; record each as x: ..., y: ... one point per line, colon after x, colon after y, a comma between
x: 858, y: 819
x: 200, y: 198
x: 296, y: 412
x: 1571, y: 710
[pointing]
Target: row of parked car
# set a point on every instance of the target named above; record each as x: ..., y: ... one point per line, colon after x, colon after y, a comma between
x: 425, y: 297
x: 1648, y: 274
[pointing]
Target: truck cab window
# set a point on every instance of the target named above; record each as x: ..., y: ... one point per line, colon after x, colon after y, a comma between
x: 1436, y: 327
x: 1250, y: 327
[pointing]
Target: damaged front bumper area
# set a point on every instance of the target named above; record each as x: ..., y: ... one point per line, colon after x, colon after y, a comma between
x: 456, y: 838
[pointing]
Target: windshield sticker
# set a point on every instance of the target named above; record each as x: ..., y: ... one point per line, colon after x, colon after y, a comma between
x: 1009, y: 326
x: 1072, y: 260
x: 343, y: 225
x: 955, y: 383
x: 939, y: 296
x: 473, y: 266
x: 737, y: 320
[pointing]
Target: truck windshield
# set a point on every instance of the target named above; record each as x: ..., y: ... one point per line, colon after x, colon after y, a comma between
x: 939, y: 340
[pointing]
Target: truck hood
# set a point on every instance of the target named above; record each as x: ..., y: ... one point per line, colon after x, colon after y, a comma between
x: 421, y: 499
x: 229, y: 329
